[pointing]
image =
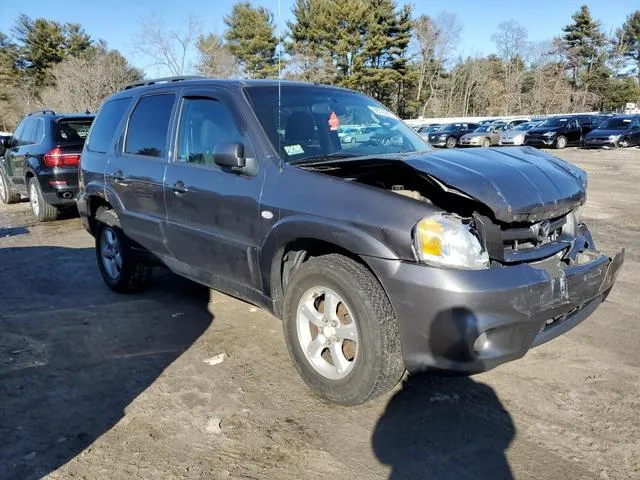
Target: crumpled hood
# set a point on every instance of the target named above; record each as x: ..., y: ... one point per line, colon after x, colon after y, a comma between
x: 516, y: 183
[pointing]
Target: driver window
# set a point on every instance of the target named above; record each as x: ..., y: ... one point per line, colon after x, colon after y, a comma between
x: 204, y: 123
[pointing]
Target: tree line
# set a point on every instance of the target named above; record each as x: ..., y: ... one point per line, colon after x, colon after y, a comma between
x: 379, y: 47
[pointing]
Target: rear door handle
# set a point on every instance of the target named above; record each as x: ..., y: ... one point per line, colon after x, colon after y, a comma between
x: 178, y: 188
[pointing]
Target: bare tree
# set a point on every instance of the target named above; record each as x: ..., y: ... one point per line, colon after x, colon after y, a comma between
x: 215, y: 58
x: 435, y: 41
x: 512, y: 45
x: 83, y: 83
x: 168, y: 50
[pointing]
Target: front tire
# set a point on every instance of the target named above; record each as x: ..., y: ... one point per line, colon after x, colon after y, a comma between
x: 120, y: 270
x: 43, y: 211
x: 624, y: 143
x: 451, y: 142
x: 486, y: 143
x: 7, y: 196
x: 561, y: 142
x: 340, y: 330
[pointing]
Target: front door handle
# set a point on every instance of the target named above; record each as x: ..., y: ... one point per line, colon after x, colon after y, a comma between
x: 178, y: 188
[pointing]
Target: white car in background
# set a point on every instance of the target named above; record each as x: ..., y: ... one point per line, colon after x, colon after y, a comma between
x: 515, y: 136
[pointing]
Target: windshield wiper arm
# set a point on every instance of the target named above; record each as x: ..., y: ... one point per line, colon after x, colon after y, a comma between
x: 325, y: 157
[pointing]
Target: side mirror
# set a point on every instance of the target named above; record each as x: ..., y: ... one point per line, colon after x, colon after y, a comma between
x: 229, y: 155
x: 5, y: 142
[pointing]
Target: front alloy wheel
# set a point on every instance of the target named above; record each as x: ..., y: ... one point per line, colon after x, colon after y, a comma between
x: 327, y: 333
x: 340, y: 330
x: 486, y: 143
x: 451, y: 142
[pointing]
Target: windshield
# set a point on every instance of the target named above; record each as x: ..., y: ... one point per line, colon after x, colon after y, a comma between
x: 615, y: 124
x: 525, y: 126
x: 555, y: 122
x: 305, y: 122
x: 451, y: 127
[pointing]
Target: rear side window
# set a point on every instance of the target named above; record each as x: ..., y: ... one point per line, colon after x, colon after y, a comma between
x: 106, y: 124
x: 148, y: 126
x: 73, y: 131
x: 28, y: 135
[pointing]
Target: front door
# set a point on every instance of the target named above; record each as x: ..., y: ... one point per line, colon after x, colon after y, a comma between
x: 213, y: 220
x: 136, y: 172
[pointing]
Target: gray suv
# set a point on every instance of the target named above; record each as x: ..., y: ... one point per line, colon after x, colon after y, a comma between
x: 377, y: 256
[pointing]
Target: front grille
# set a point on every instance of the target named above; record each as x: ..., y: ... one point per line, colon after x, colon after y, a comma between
x: 526, y: 242
x: 533, y: 241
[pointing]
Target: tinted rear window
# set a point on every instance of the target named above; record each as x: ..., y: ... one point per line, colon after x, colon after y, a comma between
x: 148, y: 125
x: 106, y: 123
x: 73, y: 131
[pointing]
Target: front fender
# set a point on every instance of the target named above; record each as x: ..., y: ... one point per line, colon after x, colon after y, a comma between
x: 303, y: 227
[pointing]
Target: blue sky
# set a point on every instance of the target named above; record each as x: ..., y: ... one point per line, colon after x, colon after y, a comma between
x: 117, y: 21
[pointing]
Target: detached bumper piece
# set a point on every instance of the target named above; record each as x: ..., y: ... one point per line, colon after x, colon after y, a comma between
x: 470, y: 321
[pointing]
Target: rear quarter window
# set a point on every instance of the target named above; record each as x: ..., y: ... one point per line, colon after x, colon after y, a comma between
x: 106, y: 124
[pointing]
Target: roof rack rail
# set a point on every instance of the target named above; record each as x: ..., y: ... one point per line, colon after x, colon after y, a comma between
x: 45, y: 112
x: 163, y: 80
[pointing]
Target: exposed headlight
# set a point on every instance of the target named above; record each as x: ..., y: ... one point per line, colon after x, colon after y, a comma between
x: 613, y: 137
x: 450, y: 241
x: 549, y: 134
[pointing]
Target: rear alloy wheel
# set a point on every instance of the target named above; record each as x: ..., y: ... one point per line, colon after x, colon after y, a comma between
x: 119, y: 268
x: 43, y: 211
x: 624, y: 143
x: 340, y: 330
x: 451, y: 142
x: 6, y: 195
x: 486, y: 143
x: 561, y: 142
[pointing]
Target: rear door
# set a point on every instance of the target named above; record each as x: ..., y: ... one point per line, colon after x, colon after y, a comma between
x: 135, y: 173
x: 213, y: 216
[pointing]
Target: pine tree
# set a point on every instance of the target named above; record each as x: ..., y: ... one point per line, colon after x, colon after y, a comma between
x: 628, y: 39
x: 251, y: 39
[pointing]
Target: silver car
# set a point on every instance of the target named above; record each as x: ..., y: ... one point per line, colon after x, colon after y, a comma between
x: 483, y: 136
x: 515, y: 136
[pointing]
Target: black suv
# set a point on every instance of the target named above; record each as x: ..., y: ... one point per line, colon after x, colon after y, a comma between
x: 562, y: 131
x: 41, y: 161
x: 376, y: 256
x: 448, y: 135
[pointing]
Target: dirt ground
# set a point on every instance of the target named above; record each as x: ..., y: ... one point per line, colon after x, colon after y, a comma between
x: 99, y: 385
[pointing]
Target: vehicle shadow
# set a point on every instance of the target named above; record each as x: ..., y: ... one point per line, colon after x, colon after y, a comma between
x: 445, y: 427
x: 74, y: 355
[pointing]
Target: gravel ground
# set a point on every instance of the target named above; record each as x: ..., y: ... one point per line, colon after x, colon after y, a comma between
x: 99, y: 385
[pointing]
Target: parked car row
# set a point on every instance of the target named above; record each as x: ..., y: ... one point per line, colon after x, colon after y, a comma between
x: 587, y: 131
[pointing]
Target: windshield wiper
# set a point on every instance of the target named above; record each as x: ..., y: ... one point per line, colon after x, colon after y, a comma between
x: 323, y: 158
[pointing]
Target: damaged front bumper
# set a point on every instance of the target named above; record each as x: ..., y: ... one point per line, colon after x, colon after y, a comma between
x: 470, y: 321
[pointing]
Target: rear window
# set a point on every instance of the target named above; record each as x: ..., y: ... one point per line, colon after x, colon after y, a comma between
x: 148, y: 126
x: 73, y: 131
x: 106, y: 123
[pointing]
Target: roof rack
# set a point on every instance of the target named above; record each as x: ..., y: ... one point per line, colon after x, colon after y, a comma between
x: 163, y: 80
x: 45, y: 112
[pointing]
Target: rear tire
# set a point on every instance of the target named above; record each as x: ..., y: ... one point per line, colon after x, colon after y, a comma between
x: 561, y: 142
x: 120, y: 270
x: 7, y: 196
x: 43, y: 211
x: 451, y: 142
x: 365, y: 368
